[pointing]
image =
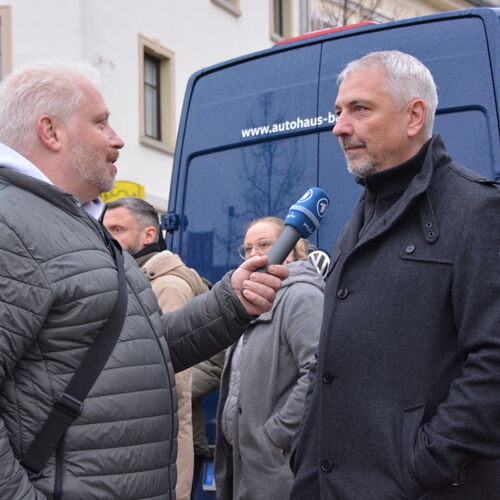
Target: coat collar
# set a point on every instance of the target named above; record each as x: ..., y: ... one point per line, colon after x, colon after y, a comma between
x: 435, y: 158
x: 49, y: 192
x: 53, y: 195
x: 38, y: 184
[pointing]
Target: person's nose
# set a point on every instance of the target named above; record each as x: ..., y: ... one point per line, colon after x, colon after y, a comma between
x: 342, y: 126
x: 115, y: 140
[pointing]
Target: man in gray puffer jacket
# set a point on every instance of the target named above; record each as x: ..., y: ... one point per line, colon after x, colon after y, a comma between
x: 58, y: 287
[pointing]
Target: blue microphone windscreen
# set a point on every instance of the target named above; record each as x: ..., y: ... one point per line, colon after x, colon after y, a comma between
x: 306, y: 215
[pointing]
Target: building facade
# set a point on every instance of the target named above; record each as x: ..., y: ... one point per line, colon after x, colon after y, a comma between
x: 146, y: 51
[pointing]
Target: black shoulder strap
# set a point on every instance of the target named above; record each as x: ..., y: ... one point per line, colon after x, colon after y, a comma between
x: 69, y: 404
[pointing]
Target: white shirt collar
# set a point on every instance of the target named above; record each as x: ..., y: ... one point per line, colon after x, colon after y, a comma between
x: 95, y: 208
x: 15, y: 161
x: 12, y: 159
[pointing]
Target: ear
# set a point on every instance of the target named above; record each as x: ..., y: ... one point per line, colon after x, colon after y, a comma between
x: 417, y: 112
x: 49, y: 132
x: 149, y: 235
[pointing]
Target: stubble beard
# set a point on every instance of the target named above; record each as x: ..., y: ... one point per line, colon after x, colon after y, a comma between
x: 135, y: 247
x: 360, y: 168
x: 91, y: 167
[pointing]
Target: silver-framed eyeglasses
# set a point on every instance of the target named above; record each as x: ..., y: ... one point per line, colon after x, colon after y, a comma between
x: 261, y: 247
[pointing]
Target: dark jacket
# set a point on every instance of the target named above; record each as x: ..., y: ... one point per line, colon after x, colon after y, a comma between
x: 405, y: 402
x: 58, y: 286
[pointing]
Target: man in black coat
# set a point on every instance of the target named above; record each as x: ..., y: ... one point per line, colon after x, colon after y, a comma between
x: 404, y: 400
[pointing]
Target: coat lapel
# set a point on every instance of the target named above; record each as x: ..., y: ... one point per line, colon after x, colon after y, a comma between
x: 416, y: 188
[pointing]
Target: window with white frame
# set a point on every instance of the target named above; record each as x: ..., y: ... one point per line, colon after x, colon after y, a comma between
x: 157, y: 105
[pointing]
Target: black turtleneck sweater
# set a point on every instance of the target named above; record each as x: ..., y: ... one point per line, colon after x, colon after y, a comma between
x: 384, y: 188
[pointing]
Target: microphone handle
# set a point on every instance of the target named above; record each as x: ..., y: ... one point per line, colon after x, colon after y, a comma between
x: 283, y: 246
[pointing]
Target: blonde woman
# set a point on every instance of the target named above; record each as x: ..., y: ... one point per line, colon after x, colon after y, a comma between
x: 264, y: 382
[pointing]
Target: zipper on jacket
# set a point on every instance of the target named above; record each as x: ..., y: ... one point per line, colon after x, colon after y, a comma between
x: 59, y: 476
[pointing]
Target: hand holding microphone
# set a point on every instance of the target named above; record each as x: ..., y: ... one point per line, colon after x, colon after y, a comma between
x: 303, y: 218
x: 257, y: 294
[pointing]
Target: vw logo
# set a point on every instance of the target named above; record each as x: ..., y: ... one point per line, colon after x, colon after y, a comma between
x: 320, y: 260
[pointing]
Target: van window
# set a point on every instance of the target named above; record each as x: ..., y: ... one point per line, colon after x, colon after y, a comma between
x: 236, y: 186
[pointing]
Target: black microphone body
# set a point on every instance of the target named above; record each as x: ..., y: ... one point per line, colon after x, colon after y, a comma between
x: 283, y: 246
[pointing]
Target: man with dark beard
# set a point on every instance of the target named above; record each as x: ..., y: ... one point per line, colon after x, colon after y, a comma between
x: 404, y: 399
x: 60, y: 276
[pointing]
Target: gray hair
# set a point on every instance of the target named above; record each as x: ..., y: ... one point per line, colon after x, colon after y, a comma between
x: 407, y: 79
x: 37, y: 88
x: 143, y: 212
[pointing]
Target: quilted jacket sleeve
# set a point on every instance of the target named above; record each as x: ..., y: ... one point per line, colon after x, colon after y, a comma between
x: 205, y: 326
x: 24, y: 301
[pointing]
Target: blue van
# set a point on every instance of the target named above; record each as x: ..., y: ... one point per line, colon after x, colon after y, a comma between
x: 255, y: 132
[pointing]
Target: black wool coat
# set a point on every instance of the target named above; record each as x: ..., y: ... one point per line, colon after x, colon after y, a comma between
x: 405, y: 399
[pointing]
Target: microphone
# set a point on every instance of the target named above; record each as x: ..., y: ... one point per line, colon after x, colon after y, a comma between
x: 302, y: 220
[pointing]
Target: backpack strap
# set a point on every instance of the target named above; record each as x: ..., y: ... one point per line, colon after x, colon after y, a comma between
x: 69, y: 404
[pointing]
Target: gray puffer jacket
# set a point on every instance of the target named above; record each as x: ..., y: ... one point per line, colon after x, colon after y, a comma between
x: 58, y: 286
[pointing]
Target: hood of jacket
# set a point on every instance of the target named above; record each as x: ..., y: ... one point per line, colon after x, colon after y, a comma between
x: 301, y: 271
x: 49, y: 192
x: 168, y: 263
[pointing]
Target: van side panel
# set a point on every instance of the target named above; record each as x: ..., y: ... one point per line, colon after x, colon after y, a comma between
x: 242, y: 157
x: 255, y: 132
